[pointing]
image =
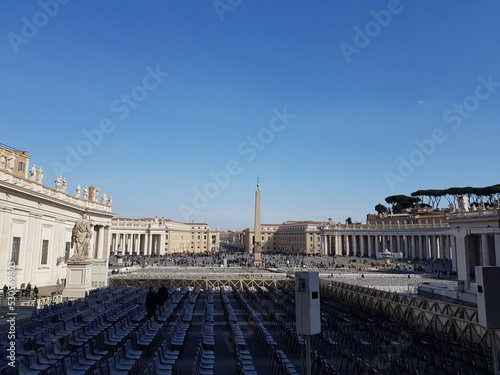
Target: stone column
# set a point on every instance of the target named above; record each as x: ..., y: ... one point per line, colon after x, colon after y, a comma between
x: 107, y: 242
x: 338, y: 244
x: 425, y: 247
x: 162, y: 243
x: 129, y: 243
x: 362, y: 247
x: 326, y: 244
x: 463, y: 268
x: 433, y: 249
x: 147, y: 250
x: 354, y: 244
x: 412, y: 244
x: 377, y: 244
x: 100, y: 242
x: 485, y: 251
x: 370, y: 245
x: 496, y: 243
x: 418, y: 247
x: 442, y: 246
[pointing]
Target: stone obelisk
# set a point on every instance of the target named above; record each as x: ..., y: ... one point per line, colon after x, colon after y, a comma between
x: 257, y: 248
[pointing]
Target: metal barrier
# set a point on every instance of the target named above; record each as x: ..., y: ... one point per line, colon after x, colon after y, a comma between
x: 458, y: 323
x: 203, y: 283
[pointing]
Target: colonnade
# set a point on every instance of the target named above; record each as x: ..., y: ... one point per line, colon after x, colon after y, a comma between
x: 476, y: 247
x: 130, y: 243
x: 410, y: 245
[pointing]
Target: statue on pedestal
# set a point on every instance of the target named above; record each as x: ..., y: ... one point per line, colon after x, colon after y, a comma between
x: 10, y: 163
x: 39, y: 178
x: 95, y: 195
x: 463, y: 203
x: 86, y: 192
x: 78, y: 191
x: 80, y: 238
x: 33, y: 173
x: 58, y: 183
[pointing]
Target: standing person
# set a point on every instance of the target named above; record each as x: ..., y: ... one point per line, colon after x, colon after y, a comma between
x: 58, y: 283
x: 162, y: 295
x: 5, y: 290
x: 151, y: 302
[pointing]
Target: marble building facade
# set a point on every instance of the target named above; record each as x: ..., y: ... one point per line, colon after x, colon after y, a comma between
x: 36, y: 223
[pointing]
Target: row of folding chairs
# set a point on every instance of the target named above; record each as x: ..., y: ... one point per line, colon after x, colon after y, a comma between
x: 228, y: 309
x: 289, y: 335
x: 297, y: 343
x: 207, y: 336
x: 210, y: 295
x: 244, y: 362
x: 416, y: 352
x: 249, y: 313
x: 236, y: 336
x: 204, y: 361
x: 263, y: 337
x: 280, y: 362
x: 320, y: 365
x: 178, y: 334
x: 209, y: 313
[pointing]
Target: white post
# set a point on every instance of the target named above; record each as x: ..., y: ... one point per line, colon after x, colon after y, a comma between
x: 308, y: 355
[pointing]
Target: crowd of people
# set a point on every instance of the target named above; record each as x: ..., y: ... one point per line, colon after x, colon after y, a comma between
x: 25, y: 290
x: 439, y: 268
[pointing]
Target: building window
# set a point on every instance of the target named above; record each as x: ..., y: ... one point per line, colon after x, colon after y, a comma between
x: 66, y: 251
x: 21, y: 166
x: 45, y: 251
x: 16, y: 247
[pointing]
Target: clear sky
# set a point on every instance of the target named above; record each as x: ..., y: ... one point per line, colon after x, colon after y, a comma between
x: 176, y: 107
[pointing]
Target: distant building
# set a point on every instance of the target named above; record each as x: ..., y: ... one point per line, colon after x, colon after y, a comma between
x: 292, y: 237
x: 158, y: 236
x: 14, y: 161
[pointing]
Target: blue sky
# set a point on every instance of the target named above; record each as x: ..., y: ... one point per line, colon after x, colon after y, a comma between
x: 176, y: 107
